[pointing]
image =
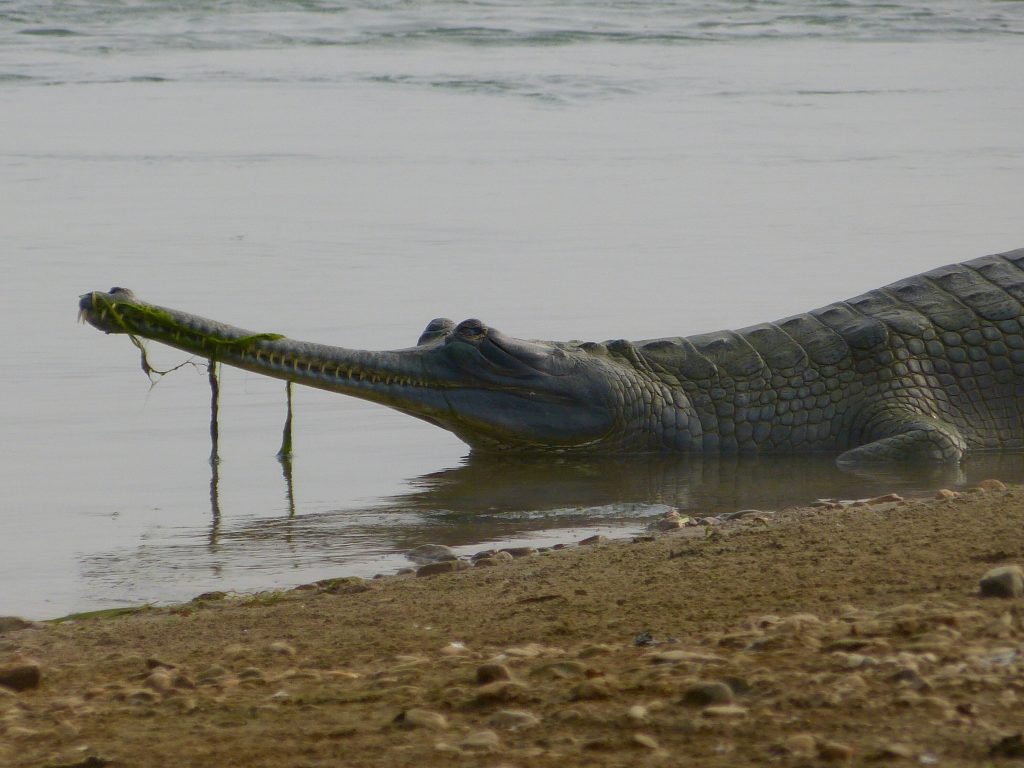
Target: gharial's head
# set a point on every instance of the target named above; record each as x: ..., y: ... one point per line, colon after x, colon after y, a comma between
x: 503, y: 393
x: 493, y: 391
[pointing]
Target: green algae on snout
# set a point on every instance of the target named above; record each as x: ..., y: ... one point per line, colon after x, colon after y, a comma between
x: 143, y: 321
x: 158, y: 324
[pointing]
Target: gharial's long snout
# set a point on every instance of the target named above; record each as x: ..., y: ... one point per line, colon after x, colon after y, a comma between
x: 493, y: 391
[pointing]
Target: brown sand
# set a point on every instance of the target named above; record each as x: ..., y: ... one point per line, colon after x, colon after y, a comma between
x: 853, y: 635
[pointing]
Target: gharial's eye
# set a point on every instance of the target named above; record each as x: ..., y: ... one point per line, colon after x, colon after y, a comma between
x: 471, y: 329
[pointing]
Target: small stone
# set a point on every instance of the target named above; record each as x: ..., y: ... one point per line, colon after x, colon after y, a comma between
x: 1009, y: 746
x: 529, y: 651
x: 1004, y: 581
x: 211, y: 674
x: 724, y: 711
x: 893, y: 751
x: 589, y: 651
x: 141, y: 696
x: 595, y: 539
x: 833, y: 751
x: 159, y: 680
x: 561, y: 670
x: 944, y: 494
x: 637, y: 713
x: 422, y: 718
x: 643, y: 740
x: 513, y: 719
x: 678, y: 657
x: 670, y: 521
x: 502, y: 557
x: 801, y: 745
x: 591, y: 690
x: 491, y: 673
x: 14, y: 623
x: 481, y: 741
x: 455, y: 648
x: 282, y: 648
x: 501, y: 692
x: 885, y: 498
x: 446, y: 566
x: 431, y: 553
x: 209, y: 597
x: 517, y: 552
x: 707, y: 693
x: 235, y: 651
x: 991, y: 484
x: 20, y: 674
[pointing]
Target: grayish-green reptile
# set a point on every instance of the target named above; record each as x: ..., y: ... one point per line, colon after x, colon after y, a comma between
x: 925, y: 369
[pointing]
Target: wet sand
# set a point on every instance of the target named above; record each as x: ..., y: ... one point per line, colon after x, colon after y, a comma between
x: 851, y: 634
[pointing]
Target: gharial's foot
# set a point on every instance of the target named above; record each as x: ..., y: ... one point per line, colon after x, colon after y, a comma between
x: 921, y: 440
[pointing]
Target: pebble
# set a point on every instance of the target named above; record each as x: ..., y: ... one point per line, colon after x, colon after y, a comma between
x: 1004, y: 581
x: 885, y: 498
x: 455, y: 648
x: 643, y: 740
x: 724, y: 711
x: 893, y: 751
x: 517, y: 552
x: 591, y: 690
x: 20, y: 674
x: 590, y: 651
x: 707, y: 693
x: 677, y: 657
x: 491, y: 673
x: 159, y: 680
x: 14, y: 623
x: 637, y: 713
x: 422, y: 718
x: 1008, y: 746
x: 944, y: 494
x: 595, y: 539
x: 833, y: 751
x: 481, y: 741
x: 561, y: 670
x: 282, y: 648
x: 211, y: 674
x: 740, y: 514
x: 670, y: 521
x: 513, y: 719
x: 141, y: 696
x: 431, y: 553
x: 801, y: 745
x: 991, y: 484
x: 501, y: 692
x: 529, y: 651
x: 446, y: 566
x: 235, y: 651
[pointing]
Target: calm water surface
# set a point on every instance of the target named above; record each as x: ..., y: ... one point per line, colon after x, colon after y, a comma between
x: 344, y: 172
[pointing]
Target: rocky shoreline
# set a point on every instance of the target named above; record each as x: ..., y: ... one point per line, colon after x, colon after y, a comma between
x: 846, y: 632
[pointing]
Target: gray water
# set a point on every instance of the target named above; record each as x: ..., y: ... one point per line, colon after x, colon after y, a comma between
x: 344, y: 172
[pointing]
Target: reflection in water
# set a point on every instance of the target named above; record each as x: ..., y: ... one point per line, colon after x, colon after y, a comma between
x: 489, y: 499
x: 489, y: 502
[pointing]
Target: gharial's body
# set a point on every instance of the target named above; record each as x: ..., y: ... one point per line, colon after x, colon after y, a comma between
x: 927, y: 368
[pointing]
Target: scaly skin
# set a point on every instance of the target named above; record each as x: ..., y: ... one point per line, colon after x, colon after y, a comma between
x: 924, y: 369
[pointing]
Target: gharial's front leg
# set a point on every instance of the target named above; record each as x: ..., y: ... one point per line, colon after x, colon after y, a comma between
x: 902, y: 436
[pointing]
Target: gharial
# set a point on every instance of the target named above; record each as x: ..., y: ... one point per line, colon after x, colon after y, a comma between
x: 926, y: 369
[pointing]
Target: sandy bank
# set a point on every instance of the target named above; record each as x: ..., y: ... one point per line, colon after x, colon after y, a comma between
x: 850, y: 635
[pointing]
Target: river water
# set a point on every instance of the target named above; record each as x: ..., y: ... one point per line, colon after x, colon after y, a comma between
x: 343, y: 172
